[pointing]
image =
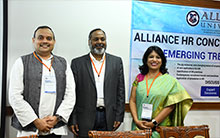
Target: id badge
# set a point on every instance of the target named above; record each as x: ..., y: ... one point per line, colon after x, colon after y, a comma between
x: 49, y: 84
x: 147, y: 111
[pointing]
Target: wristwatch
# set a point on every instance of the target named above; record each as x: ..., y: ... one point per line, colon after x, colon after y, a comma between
x: 59, y: 118
x: 154, y: 122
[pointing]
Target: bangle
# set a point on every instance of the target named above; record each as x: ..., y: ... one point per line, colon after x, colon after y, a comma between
x: 155, y: 122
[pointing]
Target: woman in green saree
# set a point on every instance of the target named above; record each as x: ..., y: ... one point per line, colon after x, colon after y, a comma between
x: 156, y: 97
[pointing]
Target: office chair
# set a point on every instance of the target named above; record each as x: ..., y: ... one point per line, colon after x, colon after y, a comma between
x: 121, y: 134
x: 201, y: 131
x: 32, y: 136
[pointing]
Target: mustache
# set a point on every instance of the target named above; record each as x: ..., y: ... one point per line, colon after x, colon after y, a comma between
x: 99, y: 45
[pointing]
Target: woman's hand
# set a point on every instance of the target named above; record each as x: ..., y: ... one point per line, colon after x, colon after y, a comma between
x: 149, y: 124
x: 141, y: 124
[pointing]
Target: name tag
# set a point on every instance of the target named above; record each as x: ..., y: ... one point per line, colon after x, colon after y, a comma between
x: 49, y: 84
x: 147, y: 111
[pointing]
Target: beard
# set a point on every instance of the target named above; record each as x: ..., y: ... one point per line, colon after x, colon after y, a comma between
x: 98, y: 51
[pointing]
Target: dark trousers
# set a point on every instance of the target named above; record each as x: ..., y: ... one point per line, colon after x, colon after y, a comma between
x: 100, y: 121
x: 50, y: 136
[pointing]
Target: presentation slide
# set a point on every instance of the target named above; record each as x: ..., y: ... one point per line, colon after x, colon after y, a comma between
x: 190, y: 41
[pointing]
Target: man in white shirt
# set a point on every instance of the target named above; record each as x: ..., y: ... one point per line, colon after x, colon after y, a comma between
x: 41, y: 90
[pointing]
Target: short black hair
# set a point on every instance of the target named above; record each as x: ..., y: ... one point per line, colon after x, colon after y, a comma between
x: 43, y: 27
x: 144, y: 68
x: 97, y: 29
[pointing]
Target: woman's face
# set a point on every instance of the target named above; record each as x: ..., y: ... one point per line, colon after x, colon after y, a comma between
x: 154, y: 61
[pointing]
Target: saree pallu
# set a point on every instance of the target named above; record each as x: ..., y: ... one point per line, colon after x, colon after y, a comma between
x: 165, y: 91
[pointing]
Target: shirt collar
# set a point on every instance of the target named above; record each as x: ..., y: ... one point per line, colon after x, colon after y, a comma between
x: 51, y: 56
x: 94, y: 59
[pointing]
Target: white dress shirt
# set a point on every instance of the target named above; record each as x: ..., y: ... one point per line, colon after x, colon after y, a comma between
x: 99, y: 80
x: 24, y: 111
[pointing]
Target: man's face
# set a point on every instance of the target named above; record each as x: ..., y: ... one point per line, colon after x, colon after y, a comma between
x: 97, y: 43
x: 43, y: 41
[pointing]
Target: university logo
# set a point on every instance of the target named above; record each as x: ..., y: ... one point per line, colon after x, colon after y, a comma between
x: 192, y: 18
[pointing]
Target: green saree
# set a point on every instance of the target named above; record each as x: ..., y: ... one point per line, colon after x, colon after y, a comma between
x: 165, y: 91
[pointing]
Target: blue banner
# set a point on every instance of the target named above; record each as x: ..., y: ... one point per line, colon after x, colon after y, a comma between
x: 190, y: 39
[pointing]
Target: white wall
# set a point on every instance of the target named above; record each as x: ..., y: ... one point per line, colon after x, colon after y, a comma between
x: 71, y: 21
